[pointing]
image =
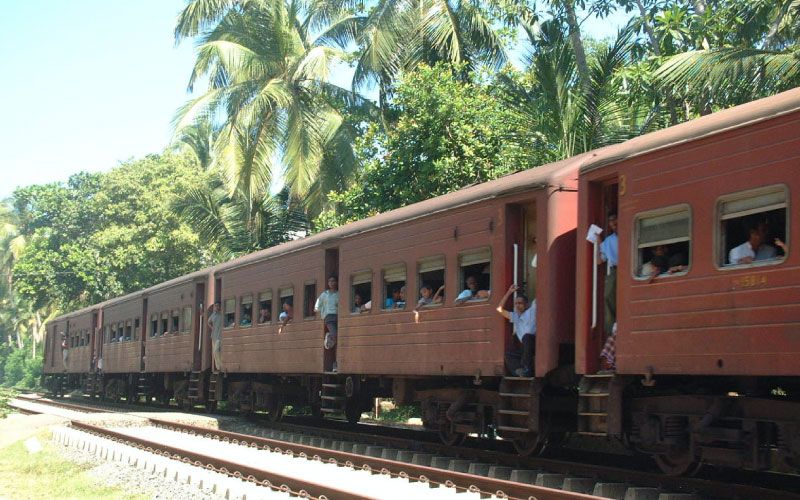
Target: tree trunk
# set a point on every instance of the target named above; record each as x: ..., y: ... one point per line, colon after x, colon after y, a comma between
x: 577, y: 43
x: 651, y: 34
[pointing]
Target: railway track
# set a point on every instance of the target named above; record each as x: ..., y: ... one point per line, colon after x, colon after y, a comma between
x: 463, y: 468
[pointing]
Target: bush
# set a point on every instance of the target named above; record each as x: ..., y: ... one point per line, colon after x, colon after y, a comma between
x: 22, y: 370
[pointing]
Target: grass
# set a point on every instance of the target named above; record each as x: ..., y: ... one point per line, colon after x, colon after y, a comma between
x: 5, y: 395
x: 47, y: 475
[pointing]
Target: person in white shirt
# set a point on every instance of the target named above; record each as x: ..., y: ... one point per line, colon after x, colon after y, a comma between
x: 327, y: 306
x: 755, y: 247
x: 215, y: 324
x: 523, y: 317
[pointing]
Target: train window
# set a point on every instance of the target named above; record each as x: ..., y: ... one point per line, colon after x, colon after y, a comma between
x: 154, y: 325
x: 229, y: 313
x: 187, y: 319
x: 287, y: 304
x: 129, y: 330
x: 175, y: 327
x: 309, y: 299
x: 394, y: 287
x: 475, y: 274
x: 265, y: 307
x: 431, y: 273
x: 753, y: 227
x: 137, y: 328
x: 246, y: 311
x: 164, y: 323
x: 663, y: 243
x: 361, y: 292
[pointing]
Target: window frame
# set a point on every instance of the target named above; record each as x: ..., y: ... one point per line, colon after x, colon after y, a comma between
x: 353, y: 290
x: 154, y: 330
x: 420, y: 281
x: 164, y: 322
x: 462, y: 278
x: 225, y: 312
x: 271, y: 304
x: 384, y: 284
x: 720, y: 255
x: 309, y: 301
x: 659, y: 212
x: 241, y: 312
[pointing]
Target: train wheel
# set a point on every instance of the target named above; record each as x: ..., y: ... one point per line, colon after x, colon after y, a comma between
x: 679, y: 462
x: 275, y: 410
x: 450, y: 437
x: 528, y: 444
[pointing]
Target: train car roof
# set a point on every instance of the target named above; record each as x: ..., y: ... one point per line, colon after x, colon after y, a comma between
x: 715, y: 123
x: 548, y: 175
x: 72, y: 314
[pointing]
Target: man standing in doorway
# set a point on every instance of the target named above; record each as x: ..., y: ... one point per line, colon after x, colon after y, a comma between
x: 609, y: 253
x: 328, y: 308
x: 523, y: 317
x: 215, y: 324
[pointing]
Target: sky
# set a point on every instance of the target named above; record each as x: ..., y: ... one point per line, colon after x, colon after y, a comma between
x: 88, y: 84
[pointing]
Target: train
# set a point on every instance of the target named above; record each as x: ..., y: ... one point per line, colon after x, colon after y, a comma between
x: 705, y: 367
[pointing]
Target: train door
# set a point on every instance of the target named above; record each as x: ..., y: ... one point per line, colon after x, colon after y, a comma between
x: 143, y: 340
x: 602, y: 215
x: 94, y: 354
x: 521, y: 258
x: 331, y: 268
x: 198, y: 326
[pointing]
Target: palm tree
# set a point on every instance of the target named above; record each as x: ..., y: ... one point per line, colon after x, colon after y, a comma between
x: 755, y: 58
x: 394, y: 36
x: 572, y: 116
x: 268, y: 85
x: 241, y: 223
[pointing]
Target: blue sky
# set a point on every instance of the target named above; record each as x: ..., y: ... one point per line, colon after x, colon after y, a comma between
x: 90, y: 83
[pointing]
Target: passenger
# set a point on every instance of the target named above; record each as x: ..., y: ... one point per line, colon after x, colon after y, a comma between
x: 657, y: 264
x: 327, y: 306
x: 609, y: 352
x: 609, y: 253
x: 359, y: 305
x: 215, y: 324
x: 754, y: 248
x: 471, y: 292
x: 401, y: 303
x: 287, y: 315
x: 264, y: 316
x: 393, y: 301
x: 64, y: 350
x: 523, y: 317
x: 427, y: 297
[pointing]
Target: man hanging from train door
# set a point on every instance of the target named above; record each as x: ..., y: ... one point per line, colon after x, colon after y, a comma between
x: 327, y: 306
x: 64, y: 350
x: 523, y: 317
x: 215, y: 324
x: 609, y: 253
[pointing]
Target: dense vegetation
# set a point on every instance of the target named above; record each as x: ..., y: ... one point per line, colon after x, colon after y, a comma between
x: 271, y: 149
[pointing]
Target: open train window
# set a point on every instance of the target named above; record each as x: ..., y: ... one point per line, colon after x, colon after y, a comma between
x: 129, y: 330
x: 265, y: 307
x: 164, y: 323
x: 246, y: 311
x: 475, y: 275
x: 309, y: 299
x: 287, y: 304
x: 663, y: 242
x: 361, y: 292
x: 187, y: 319
x: 120, y: 331
x: 175, y: 321
x: 753, y: 227
x: 137, y: 328
x: 229, y: 313
x: 394, y: 287
x: 430, y: 274
x: 154, y: 325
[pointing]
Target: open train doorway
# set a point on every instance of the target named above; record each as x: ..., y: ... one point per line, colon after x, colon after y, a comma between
x: 198, y: 326
x: 331, y: 269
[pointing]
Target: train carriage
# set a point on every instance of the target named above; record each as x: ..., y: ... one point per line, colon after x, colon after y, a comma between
x: 703, y: 323
x: 69, y: 366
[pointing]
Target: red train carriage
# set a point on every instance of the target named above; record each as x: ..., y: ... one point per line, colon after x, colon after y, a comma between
x: 716, y: 339
x: 70, y: 348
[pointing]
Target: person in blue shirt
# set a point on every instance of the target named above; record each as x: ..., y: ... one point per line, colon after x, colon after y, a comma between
x: 523, y: 317
x: 609, y: 254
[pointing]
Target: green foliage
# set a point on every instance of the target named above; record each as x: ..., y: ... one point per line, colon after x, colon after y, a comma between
x: 103, y: 235
x: 450, y: 133
x: 21, y: 370
x: 401, y: 413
